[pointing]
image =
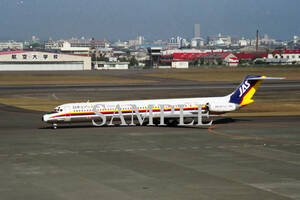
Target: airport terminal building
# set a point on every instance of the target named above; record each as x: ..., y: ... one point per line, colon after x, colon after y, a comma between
x: 42, y: 61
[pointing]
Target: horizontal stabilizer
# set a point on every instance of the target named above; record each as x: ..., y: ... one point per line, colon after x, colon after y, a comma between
x: 266, y: 78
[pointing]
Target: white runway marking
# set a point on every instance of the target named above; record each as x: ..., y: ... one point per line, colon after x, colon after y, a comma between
x: 46, y: 153
x: 182, y: 148
x: 72, y: 152
x: 156, y: 149
x: 128, y: 150
x: 33, y: 154
x: 142, y: 149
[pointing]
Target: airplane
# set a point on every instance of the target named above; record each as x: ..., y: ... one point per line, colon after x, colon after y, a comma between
x: 189, y: 107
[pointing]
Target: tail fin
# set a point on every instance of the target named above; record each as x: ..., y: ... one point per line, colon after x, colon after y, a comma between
x: 244, y: 93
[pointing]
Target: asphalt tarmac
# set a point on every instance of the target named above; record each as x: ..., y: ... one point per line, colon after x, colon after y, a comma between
x: 237, y: 158
x: 278, y: 91
x: 180, y: 85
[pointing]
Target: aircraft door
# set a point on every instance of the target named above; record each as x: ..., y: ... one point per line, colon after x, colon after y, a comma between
x: 67, y: 110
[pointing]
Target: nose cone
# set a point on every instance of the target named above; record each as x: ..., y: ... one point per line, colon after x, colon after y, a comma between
x: 45, y: 118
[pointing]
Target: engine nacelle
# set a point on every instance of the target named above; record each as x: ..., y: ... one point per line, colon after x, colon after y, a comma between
x: 222, y: 108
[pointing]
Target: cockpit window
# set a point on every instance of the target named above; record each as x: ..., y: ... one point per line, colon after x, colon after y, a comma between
x: 52, y: 112
x: 56, y: 110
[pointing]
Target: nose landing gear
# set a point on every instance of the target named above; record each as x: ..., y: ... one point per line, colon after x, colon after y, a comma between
x: 54, y: 126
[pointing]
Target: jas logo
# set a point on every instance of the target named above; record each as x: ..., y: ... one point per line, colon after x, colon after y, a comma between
x: 244, y: 88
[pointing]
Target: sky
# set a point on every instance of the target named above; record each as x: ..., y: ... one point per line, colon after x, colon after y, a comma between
x: 154, y: 19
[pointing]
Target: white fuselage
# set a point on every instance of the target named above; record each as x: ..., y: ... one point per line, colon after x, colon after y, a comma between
x: 84, y: 112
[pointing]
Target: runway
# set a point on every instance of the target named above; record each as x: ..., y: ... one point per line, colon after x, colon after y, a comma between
x: 238, y: 158
x: 160, y: 86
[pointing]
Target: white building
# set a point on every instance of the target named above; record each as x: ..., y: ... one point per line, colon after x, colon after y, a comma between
x: 194, y: 43
x: 197, y: 42
x: 231, y: 60
x: 120, y: 44
x: 290, y: 56
x: 141, y: 55
x: 54, y: 45
x: 12, y: 45
x: 67, y: 48
x: 180, y: 65
x: 42, y: 61
x: 267, y: 41
x: 178, y: 42
x: 244, y: 42
x: 88, y: 43
x: 138, y: 41
x: 296, y: 39
x: 220, y: 40
x: 101, y: 65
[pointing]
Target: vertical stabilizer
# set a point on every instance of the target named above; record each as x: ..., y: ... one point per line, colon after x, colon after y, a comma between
x: 244, y: 93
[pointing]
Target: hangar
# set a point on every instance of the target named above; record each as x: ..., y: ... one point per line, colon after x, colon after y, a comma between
x: 42, y: 61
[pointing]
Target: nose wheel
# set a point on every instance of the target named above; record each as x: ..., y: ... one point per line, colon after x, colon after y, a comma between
x: 54, y: 126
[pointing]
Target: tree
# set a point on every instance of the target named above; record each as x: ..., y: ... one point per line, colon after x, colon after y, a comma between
x: 133, y: 61
x: 123, y: 59
x: 260, y: 62
x: 273, y: 54
x: 94, y: 58
x: 201, y: 61
x: 102, y: 58
x: 219, y: 61
x: 195, y: 62
x: 280, y: 52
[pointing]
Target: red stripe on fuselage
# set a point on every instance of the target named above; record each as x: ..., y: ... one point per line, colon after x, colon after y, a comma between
x: 125, y: 111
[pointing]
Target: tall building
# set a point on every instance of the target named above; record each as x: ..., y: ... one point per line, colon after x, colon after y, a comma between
x: 197, y: 31
x: 197, y: 41
x: 155, y: 55
x: 295, y: 39
x: 177, y: 42
x: 141, y: 40
x: 34, y: 39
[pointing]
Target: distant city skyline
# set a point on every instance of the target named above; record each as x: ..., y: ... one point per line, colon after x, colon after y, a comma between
x: 124, y: 20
